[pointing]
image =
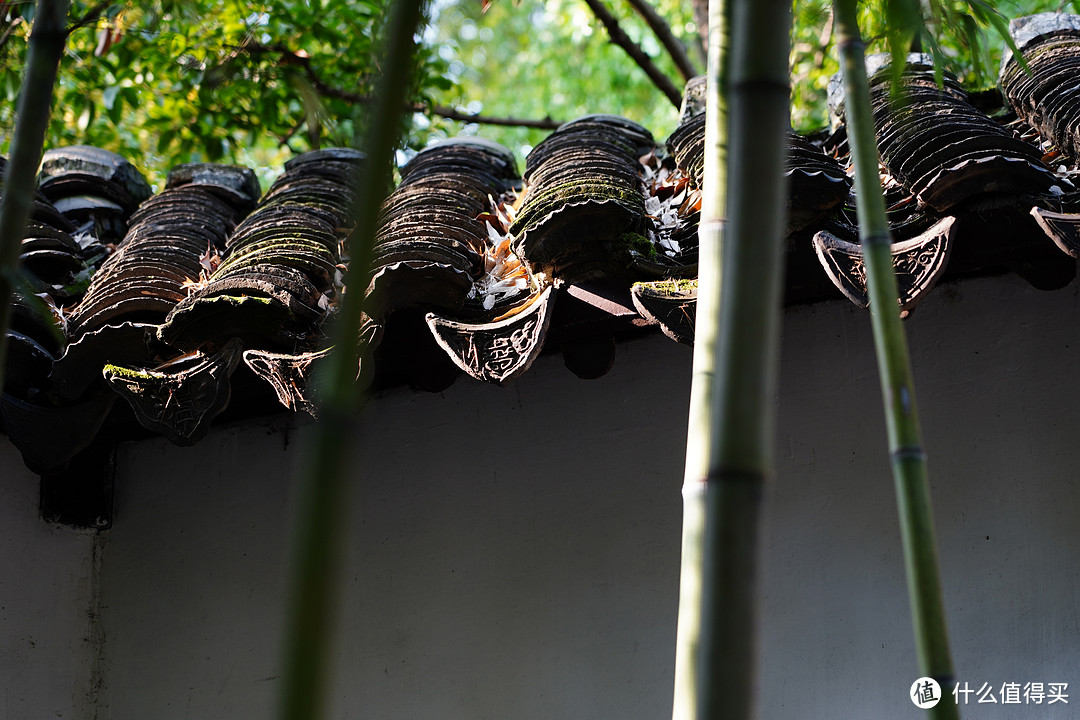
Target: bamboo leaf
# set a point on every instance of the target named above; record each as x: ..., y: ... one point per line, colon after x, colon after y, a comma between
x: 970, y: 30
x: 939, y: 58
x: 40, y: 306
x: 988, y: 15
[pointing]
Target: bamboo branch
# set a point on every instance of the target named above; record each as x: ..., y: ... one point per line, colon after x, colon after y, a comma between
x: 688, y: 651
x: 823, y: 42
x: 894, y: 368
x: 619, y: 37
x: 47, y: 40
x: 663, y: 33
x: 688, y: 676
x: 321, y: 530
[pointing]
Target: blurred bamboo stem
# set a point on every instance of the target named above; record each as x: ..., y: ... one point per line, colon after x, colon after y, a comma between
x: 731, y: 425
x: 321, y: 526
x: 894, y: 368
x: 47, y: 41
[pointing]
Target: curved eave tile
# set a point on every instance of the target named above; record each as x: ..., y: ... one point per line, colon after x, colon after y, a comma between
x: 1062, y: 228
x: 497, y: 351
x: 918, y: 263
x: 179, y: 404
x: 670, y: 304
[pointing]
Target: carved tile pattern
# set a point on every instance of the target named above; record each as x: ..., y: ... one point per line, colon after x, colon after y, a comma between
x: 495, y: 352
x: 917, y: 263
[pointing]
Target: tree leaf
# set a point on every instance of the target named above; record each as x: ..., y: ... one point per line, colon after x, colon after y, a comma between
x: 165, y: 139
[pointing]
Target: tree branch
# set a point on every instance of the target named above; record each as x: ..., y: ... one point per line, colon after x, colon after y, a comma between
x: 91, y: 16
x: 451, y: 114
x: 8, y: 31
x: 662, y: 30
x: 284, y: 139
x: 701, y: 19
x: 620, y: 38
x: 289, y: 57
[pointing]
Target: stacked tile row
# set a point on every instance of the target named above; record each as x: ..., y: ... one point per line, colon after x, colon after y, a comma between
x: 431, y: 241
x: 1045, y: 94
x: 940, y: 147
x: 584, y: 196
x: 206, y: 277
x: 277, y: 273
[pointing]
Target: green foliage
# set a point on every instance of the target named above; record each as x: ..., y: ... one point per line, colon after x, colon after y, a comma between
x: 966, y: 38
x: 174, y: 81
x: 812, y: 62
x: 170, y: 81
x: 548, y: 59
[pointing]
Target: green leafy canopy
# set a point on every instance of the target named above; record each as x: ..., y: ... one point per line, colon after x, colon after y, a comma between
x: 965, y: 37
x: 170, y: 81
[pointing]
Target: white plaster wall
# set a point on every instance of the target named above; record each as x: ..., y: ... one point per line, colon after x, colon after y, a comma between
x: 192, y: 579
x: 514, y: 551
x: 998, y: 380
x: 48, y: 641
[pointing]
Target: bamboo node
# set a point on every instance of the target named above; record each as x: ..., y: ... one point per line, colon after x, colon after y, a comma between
x: 876, y: 238
x: 945, y: 681
x: 732, y: 476
x: 909, y: 452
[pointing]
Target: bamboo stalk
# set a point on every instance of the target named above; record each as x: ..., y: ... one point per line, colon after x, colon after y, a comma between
x: 894, y: 367
x: 47, y: 41
x: 323, y: 497
x: 710, y: 239
x: 731, y: 425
